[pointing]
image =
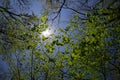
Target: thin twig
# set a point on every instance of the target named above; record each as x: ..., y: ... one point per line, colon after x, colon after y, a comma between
x: 59, y: 10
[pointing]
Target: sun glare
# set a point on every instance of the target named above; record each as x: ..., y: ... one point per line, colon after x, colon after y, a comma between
x: 46, y: 33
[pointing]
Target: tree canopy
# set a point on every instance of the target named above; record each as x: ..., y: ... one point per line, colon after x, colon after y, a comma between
x: 86, y: 49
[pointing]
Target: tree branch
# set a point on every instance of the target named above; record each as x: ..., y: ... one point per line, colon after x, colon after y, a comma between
x: 66, y: 7
x: 59, y: 9
x: 12, y: 14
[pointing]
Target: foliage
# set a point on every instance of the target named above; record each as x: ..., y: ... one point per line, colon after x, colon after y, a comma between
x: 83, y: 50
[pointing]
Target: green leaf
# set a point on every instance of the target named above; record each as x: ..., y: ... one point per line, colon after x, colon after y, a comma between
x: 70, y: 63
x: 44, y: 38
x: 43, y: 18
x: 87, y: 39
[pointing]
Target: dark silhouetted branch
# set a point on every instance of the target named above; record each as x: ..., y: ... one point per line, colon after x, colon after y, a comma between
x: 58, y: 12
x: 74, y: 10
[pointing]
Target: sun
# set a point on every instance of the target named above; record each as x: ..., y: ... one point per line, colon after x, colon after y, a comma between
x: 46, y: 33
